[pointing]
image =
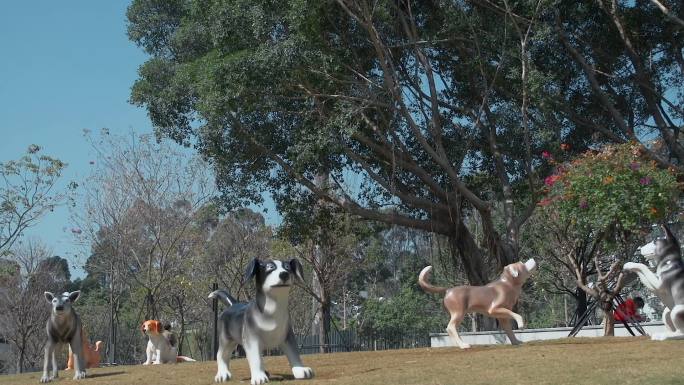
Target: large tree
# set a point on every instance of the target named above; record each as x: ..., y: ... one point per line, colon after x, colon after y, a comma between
x: 422, y: 114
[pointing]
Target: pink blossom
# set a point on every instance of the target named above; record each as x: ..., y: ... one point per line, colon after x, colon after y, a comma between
x: 551, y: 180
x: 645, y: 181
x: 583, y: 204
x: 546, y: 154
x: 634, y: 166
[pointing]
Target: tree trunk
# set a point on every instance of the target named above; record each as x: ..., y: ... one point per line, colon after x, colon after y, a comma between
x: 324, y: 326
x: 608, y: 320
x: 472, y: 256
x: 20, y: 360
x: 581, y: 308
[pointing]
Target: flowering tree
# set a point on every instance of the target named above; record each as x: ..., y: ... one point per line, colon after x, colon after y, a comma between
x: 611, y: 197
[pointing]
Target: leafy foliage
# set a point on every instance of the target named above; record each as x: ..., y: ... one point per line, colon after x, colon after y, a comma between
x: 617, y: 186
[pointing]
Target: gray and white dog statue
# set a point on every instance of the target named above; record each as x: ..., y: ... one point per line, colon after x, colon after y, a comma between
x: 63, y: 326
x: 263, y: 323
x: 667, y: 283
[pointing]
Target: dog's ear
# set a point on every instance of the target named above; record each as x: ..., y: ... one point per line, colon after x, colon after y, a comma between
x: 297, y: 269
x: 49, y: 296
x: 157, y: 326
x: 513, y: 270
x: 251, y: 270
x: 669, y: 236
x: 73, y: 296
x: 142, y: 327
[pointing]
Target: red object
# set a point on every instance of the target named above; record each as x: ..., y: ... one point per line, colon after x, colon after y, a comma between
x: 626, y: 310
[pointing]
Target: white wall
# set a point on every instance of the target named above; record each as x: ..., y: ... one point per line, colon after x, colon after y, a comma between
x: 498, y: 337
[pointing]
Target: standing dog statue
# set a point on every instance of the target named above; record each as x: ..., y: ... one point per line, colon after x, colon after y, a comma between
x: 162, y: 347
x: 495, y: 299
x: 261, y: 324
x: 63, y: 326
x: 667, y: 283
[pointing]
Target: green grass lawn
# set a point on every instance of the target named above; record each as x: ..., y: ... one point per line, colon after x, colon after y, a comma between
x: 566, y: 361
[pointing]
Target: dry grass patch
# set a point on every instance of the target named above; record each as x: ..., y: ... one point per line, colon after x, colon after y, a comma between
x: 565, y: 361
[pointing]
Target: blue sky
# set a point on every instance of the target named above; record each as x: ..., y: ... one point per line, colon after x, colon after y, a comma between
x: 65, y: 66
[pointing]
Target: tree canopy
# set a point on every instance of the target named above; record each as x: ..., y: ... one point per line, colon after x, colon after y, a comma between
x: 422, y: 114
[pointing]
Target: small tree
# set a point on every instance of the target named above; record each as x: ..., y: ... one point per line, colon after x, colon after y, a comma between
x: 612, y: 196
x: 27, y: 192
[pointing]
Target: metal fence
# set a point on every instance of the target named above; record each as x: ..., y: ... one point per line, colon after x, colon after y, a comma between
x: 351, y: 341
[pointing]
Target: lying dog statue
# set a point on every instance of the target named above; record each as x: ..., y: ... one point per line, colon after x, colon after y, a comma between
x: 91, y: 353
x: 667, y: 283
x: 162, y: 347
x: 496, y: 299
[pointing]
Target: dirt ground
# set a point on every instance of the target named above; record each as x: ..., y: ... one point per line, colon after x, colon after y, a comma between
x: 617, y: 360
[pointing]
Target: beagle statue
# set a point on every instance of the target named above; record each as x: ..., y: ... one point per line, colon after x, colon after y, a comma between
x: 91, y: 353
x: 261, y: 324
x: 162, y: 347
x: 496, y: 299
x: 667, y: 283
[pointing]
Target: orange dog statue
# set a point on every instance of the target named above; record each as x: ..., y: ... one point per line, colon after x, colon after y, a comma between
x: 91, y: 353
x: 495, y: 299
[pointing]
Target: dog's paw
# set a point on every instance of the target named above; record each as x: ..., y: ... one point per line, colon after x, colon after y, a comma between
x: 146, y: 363
x: 301, y: 372
x: 45, y: 379
x: 156, y: 363
x: 80, y: 375
x: 464, y: 346
x: 259, y: 378
x: 629, y: 266
x: 222, y: 376
x: 667, y: 336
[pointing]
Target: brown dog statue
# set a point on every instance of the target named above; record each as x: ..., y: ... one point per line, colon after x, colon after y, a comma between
x: 90, y: 352
x: 496, y: 299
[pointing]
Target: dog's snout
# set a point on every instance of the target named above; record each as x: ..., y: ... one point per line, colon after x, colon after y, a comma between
x: 284, y: 275
x: 59, y: 308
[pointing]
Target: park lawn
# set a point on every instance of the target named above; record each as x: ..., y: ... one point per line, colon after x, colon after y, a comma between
x: 566, y: 361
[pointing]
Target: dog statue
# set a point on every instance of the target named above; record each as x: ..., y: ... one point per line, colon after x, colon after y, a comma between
x: 667, y: 283
x: 63, y: 326
x: 90, y: 352
x: 261, y: 324
x: 162, y: 347
x: 496, y: 299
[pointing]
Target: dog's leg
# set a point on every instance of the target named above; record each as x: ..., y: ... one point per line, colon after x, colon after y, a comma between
x: 502, y: 312
x: 55, y: 368
x: 158, y: 359
x: 507, y: 328
x: 650, y: 280
x: 76, y: 344
x: 676, y: 318
x: 149, y: 352
x: 667, y: 320
x: 49, y: 354
x: 452, y: 329
x: 256, y: 366
x: 223, y: 361
x: 289, y: 347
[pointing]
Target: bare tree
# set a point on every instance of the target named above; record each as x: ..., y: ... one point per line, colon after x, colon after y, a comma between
x: 136, y: 212
x: 23, y: 310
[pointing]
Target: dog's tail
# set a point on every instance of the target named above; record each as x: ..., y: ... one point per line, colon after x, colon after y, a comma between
x: 98, y: 345
x: 224, y: 296
x: 184, y: 359
x: 423, y: 282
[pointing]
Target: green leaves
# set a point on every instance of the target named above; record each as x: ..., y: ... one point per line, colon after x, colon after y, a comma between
x: 616, y: 186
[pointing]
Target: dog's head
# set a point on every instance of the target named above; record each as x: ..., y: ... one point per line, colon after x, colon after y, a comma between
x: 274, y: 274
x: 151, y: 327
x: 518, y: 272
x: 61, y: 303
x: 666, y: 246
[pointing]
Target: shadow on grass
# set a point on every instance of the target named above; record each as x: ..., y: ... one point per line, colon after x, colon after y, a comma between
x: 97, y: 375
